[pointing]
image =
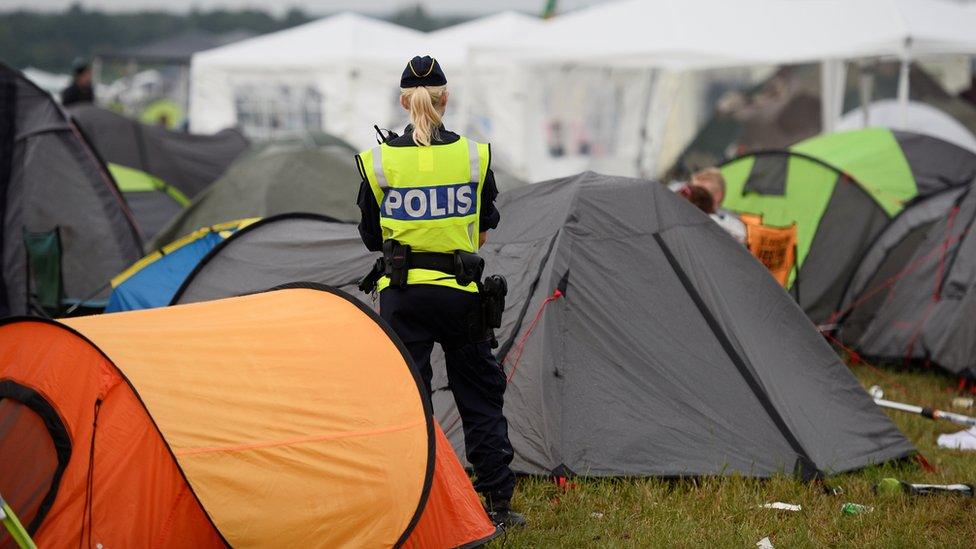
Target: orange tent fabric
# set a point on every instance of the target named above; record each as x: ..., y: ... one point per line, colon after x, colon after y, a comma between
x: 775, y: 247
x: 452, y: 501
x: 279, y: 419
x: 129, y: 507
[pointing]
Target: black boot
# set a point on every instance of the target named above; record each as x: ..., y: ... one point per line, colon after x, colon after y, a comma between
x: 502, y: 516
x: 506, y: 518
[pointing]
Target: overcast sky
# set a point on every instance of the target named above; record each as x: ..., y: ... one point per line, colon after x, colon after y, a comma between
x: 311, y: 6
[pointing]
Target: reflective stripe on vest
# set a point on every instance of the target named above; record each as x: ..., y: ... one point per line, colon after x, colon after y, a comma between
x: 429, y: 198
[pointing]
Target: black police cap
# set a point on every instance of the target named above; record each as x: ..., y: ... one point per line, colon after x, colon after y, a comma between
x: 422, y: 71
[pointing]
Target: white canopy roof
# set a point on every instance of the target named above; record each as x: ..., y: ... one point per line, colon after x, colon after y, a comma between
x: 716, y: 33
x: 450, y: 45
x: 343, y: 39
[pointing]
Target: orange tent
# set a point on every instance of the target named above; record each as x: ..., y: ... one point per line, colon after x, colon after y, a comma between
x: 288, y: 418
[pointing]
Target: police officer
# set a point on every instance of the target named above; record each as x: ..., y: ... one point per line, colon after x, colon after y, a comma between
x: 427, y: 201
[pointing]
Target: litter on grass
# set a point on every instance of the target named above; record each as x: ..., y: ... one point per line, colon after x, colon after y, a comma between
x: 889, y: 486
x: 855, y: 509
x: 962, y: 440
x: 962, y: 402
x: 779, y: 505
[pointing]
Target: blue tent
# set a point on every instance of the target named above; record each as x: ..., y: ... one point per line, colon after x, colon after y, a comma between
x: 153, y: 280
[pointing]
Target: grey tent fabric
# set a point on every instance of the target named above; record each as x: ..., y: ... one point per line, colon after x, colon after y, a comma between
x: 936, y: 165
x: 153, y: 210
x: 305, y: 141
x: 913, y: 297
x: 51, y: 183
x: 671, y: 351
x: 321, y: 180
x: 278, y: 250
x: 186, y: 161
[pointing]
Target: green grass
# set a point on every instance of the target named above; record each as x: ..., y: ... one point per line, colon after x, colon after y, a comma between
x: 724, y: 512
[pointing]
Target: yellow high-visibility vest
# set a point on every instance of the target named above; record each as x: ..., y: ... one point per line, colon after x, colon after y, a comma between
x: 430, y: 199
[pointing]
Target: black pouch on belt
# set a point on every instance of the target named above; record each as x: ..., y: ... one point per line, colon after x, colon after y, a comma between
x: 396, y: 259
x: 468, y: 267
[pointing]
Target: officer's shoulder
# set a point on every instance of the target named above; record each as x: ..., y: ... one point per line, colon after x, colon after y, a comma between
x: 473, y: 139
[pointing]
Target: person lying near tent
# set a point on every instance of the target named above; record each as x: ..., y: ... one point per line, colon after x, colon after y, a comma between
x: 699, y: 197
x: 712, y: 181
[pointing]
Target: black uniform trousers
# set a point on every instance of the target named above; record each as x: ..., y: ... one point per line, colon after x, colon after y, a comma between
x: 423, y: 314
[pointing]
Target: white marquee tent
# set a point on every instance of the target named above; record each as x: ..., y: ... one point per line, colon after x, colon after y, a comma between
x: 450, y: 45
x: 574, y: 65
x: 338, y: 74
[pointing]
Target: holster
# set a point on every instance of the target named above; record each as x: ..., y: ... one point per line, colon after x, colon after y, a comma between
x: 368, y: 282
x: 493, y: 291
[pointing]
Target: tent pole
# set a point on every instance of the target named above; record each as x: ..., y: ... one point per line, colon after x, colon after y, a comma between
x: 644, y: 128
x: 664, y: 94
x: 832, y: 81
x: 866, y: 92
x: 903, y: 84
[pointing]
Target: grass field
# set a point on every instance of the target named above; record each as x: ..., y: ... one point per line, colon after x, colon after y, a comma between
x: 724, y: 512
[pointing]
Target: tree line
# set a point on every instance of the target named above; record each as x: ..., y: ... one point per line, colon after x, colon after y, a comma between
x: 51, y: 41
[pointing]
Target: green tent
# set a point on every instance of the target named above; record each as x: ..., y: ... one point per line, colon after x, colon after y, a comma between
x: 322, y: 180
x: 841, y: 190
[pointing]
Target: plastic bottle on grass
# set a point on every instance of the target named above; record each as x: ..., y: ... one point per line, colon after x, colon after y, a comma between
x: 855, y: 509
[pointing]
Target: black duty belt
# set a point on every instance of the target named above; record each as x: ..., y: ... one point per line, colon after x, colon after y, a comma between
x: 399, y: 258
x: 444, y: 263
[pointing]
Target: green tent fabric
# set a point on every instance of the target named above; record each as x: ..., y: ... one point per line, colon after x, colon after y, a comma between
x: 131, y: 180
x: 841, y: 190
x: 321, y: 180
x: 871, y: 157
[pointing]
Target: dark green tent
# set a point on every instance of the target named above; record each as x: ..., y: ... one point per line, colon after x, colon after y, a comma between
x: 65, y: 230
x: 841, y: 190
x: 321, y: 180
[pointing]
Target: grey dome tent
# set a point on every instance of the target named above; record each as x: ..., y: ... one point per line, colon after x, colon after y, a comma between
x: 65, y: 230
x: 670, y: 352
x: 278, y: 250
x: 159, y: 171
x: 322, y: 180
x: 913, y: 297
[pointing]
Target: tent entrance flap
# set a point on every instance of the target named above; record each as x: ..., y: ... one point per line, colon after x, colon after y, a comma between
x: 804, y: 467
x: 35, y: 449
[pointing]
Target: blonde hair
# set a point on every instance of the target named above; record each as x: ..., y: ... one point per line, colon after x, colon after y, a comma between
x: 424, y: 117
x: 712, y: 180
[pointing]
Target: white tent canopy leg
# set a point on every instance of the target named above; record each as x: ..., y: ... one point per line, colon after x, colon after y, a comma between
x: 833, y: 75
